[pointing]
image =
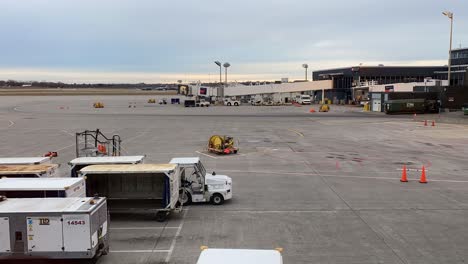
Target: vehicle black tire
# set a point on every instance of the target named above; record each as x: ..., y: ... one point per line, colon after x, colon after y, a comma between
x: 161, y: 216
x: 228, y: 104
x: 217, y: 199
x: 236, y: 104
x: 186, y: 201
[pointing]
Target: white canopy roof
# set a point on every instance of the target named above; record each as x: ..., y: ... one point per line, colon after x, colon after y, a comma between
x: 185, y: 161
x: 44, y: 205
x: 24, y: 160
x: 38, y: 184
x: 127, y: 168
x: 107, y: 160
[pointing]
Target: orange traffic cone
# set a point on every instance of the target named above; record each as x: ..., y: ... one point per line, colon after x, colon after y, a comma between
x: 425, y: 122
x: 423, y: 176
x: 433, y: 122
x: 312, y: 110
x: 403, y: 175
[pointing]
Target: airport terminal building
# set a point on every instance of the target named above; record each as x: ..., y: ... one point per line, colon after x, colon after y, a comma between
x: 345, y: 79
x: 458, y: 69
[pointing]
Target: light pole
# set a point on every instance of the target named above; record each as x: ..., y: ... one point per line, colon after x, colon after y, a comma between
x: 219, y: 64
x: 226, y: 66
x: 450, y: 16
x: 305, y: 66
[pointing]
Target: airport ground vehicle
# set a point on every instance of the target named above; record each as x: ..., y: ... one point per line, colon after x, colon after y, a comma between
x: 405, y: 106
x: 303, y: 99
x: 42, y: 187
x: 236, y: 256
x: 79, y: 163
x: 465, y: 109
x: 162, y: 101
x: 190, y: 102
x: 222, y: 145
x: 25, y: 160
x: 53, y: 228
x: 28, y: 171
x: 231, y: 101
x: 198, y: 186
x: 175, y: 101
x: 202, y: 102
x: 92, y: 143
x: 324, y: 108
x: 151, y: 188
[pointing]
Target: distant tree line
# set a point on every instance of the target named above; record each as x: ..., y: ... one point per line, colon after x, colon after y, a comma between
x: 35, y: 84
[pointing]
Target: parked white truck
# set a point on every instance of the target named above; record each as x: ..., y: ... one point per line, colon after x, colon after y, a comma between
x: 303, y: 99
x: 199, y: 186
x: 53, y: 228
x: 231, y: 101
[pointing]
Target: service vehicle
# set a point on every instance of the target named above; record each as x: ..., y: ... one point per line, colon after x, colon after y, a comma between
x: 150, y: 188
x: 236, y: 256
x: 199, y: 186
x: 53, y: 228
x: 231, y: 101
x: 202, y: 103
x: 303, y: 99
x: 162, y: 101
x: 222, y: 145
x: 79, y: 163
x: 25, y: 160
x: 42, y: 187
x: 28, y: 171
x: 190, y: 102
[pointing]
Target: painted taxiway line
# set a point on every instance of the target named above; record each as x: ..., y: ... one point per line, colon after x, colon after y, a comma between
x: 174, y: 240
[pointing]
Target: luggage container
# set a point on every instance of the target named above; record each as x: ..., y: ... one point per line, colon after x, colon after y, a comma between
x: 28, y: 171
x: 136, y: 187
x: 53, y: 228
x: 79, y: 163
x: 408, y: 106
x: 25, y: 160
x: 42, y: 187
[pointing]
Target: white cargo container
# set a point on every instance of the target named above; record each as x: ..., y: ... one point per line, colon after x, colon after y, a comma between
x: 79, y: 163
x: 25, y: 160
x: 56, y: 228
x: 42, y: 187
x: 135, y: 187
x: 236, y: 256
x: 28, y: 171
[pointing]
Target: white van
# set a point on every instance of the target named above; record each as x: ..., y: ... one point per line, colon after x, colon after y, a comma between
x: 303, y: 99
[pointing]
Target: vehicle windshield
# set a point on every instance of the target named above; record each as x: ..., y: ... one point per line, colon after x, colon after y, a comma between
x: 201, y: 169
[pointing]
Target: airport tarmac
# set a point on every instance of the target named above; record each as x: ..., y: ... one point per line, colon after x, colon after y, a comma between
x: 323, y: 186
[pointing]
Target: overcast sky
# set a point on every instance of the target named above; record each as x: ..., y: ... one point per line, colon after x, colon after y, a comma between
x: 167, y: 40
